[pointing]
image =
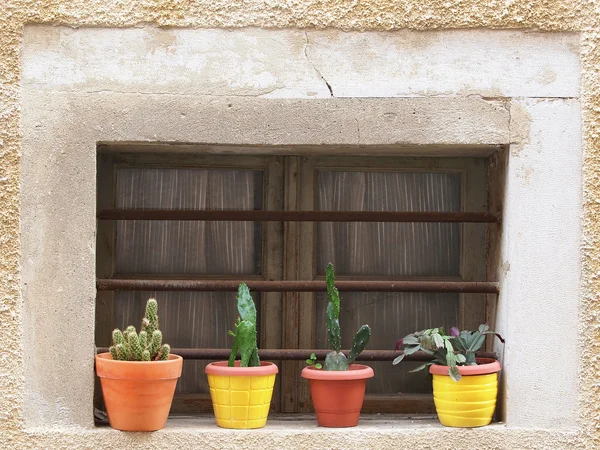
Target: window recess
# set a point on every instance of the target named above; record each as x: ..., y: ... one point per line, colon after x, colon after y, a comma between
x: 407, y: 237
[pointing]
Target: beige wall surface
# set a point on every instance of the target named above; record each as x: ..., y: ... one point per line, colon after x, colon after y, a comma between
x: 20, y: 65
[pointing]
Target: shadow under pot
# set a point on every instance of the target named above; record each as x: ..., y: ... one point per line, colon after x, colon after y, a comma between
x: 337, y: 396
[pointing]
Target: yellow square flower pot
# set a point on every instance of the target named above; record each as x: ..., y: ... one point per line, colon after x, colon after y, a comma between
x: 241, y: 396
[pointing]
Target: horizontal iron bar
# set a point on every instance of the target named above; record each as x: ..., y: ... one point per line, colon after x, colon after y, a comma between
x: 295, y: 216
x: 301, y: 354
x: 473, y: 287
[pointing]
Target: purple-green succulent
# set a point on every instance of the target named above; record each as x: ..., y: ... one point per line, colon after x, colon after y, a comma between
x: 455, y: 349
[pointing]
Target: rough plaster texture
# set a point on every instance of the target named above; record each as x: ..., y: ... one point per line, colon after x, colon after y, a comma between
x: 543, y: 189
x: 71, y: 101
x: 547, y: 15
x: 296, y: 63
x: 382, y: 434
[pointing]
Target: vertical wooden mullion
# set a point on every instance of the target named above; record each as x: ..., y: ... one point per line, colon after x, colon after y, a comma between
x: 271, y: 302
x: 472, y: 307
x: 105, y: 248
x: 307, y: 270
x: 290, y: 369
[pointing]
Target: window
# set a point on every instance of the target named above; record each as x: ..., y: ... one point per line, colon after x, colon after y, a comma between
x: 292, y: 250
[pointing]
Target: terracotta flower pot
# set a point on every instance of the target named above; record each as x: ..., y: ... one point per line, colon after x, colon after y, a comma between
x: 138, y: 394
x: 338, y: 396
x: 241, y: 396
x: 470, y: 402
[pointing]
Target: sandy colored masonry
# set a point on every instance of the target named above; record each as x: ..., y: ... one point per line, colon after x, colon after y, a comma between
x: 580, y: 17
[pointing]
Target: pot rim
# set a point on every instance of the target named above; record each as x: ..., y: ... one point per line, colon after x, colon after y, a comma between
x: 106, y: 356
x: 354, y: 372
x: 485, y: 366
x: 106, y: 367
x: 222, y: 368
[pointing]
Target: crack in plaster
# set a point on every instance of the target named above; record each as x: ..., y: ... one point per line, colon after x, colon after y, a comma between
x: 306, y: 45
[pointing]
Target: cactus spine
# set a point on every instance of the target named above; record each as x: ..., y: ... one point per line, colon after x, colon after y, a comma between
x: 336, y: 360
x: 244, y: 337
x: 128, y: 345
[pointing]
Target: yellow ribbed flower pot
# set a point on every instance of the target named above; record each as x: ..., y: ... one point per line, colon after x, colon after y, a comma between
x: 241, y: 396
x: 470, y: 402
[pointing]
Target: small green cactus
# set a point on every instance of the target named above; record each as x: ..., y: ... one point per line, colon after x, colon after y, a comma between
x: 336, y: 360
x: 128, y: 345
x: 244, y: 337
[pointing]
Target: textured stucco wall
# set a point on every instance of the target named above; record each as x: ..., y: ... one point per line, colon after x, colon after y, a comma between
x: 548, y: 15
x: 252, y: 86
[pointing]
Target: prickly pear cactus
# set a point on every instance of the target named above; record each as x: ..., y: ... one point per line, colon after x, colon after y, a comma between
x: 244, y: 337
x: 332, y: 314
x: 146, y: 346
x: 336, y: 360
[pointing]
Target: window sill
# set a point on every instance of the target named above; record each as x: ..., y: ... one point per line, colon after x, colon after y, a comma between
x: 306, y: 423
x: 375, y: 431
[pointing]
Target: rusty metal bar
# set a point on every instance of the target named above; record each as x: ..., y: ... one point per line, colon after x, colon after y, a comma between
x: 295, y: 216
x: 464, y: 287
x: 300, y: 354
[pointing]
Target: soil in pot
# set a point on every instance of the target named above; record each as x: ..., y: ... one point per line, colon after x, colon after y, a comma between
x: 138, y: 394
x: 338, y: 396
x: 470, y: 402
x: 241, y: 396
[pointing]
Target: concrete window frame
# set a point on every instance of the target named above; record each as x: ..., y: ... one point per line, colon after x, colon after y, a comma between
x: 542, y: 137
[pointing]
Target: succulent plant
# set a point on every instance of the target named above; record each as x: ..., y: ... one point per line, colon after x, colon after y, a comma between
x: 336, y: 360
x: 456, y: 349
x: 128, y: 345
x: 312, y: 361
x: 244, y: 337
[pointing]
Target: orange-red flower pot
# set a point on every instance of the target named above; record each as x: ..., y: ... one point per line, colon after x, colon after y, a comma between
x: 138, y: 394
x: 338, y: 396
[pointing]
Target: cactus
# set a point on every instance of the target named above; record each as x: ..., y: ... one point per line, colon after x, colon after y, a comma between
x: 333, y: 310
x: 244, y: 337
x: 360, y: 341
x: 156, y: 342
x: 163, y: 353
x: 336, y: 360
x: 120, y: 351
x: 135, y: 347
x: 128, y: 345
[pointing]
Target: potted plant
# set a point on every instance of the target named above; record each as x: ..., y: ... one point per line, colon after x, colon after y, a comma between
x: 337, y: 388
x: 138, y: 376
x: 465, y: 388
x: 241, y: 390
